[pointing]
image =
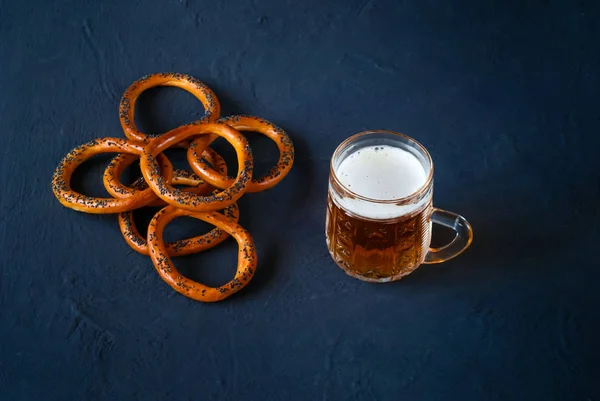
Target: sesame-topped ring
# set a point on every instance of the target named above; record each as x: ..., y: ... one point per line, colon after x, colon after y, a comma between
x: 192, y: 289
x: 185, y: 246
x: 61, y: 180
x: 192, y: 85
x: 244, y: 123
x: 161, y: 187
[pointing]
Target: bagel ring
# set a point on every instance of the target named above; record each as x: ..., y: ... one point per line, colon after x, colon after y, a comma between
x: 190, y: 84
x: 244, y: 123
x: 192, y: 289
x: 193, y: 202
x: 61, y: 180
x: 181, y: 247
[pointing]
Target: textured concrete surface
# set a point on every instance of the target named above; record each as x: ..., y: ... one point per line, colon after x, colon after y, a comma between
x: 504, y: 95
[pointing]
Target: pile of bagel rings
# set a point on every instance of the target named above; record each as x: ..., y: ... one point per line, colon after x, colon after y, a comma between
x: 208, y: 193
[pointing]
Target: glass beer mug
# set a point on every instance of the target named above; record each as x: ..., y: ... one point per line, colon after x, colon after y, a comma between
x: 379, y: 208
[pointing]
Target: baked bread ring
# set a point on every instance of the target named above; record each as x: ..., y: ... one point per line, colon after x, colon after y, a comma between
x: 189, y: 201
x: 61, y: 180
x: 192, y: 85
x: 181, y: 247
x: 164, y: 266
x: 244, y: 123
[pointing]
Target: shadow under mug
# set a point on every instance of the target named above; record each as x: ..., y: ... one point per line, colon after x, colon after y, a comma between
x: 394, y: 239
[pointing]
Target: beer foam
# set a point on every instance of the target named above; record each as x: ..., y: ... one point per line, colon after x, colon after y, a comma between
x: 383, y: 173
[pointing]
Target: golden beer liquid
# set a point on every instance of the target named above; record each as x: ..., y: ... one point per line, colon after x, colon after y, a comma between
x: 378, y: 250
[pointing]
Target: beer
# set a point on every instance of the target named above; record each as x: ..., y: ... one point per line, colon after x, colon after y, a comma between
x: 377, y: 250
x: 378, y: 225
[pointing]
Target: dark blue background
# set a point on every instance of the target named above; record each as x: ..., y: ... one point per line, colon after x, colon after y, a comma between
x: 504, y: 94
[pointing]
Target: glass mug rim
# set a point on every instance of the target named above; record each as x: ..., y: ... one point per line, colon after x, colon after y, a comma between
x: 406, y: 199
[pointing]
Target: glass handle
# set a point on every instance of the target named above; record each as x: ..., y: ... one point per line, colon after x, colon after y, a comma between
x: 462, y: 240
